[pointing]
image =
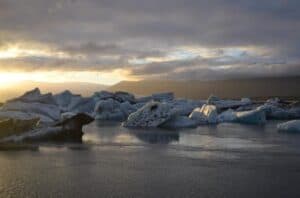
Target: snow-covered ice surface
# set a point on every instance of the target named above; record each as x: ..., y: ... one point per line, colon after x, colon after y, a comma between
x: 153, y: 114
x: 224, y: 160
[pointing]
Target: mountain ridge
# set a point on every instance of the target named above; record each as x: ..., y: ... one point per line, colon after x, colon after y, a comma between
x: 284, y: 87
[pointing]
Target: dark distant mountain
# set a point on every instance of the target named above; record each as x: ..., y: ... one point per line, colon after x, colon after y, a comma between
x: 255, y: 88
x: 16, y: 89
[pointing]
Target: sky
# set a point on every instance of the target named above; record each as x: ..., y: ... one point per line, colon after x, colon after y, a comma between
x: 107, y: 41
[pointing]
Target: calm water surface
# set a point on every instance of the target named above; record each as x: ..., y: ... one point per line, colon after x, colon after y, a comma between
x: 228, y: 160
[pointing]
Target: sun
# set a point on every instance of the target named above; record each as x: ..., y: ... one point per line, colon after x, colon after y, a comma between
x: 8, y: 79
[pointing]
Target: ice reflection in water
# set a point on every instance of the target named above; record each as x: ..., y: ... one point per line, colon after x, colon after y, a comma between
x: 112, y: 132
x: 210, y: 137
x: 221, y: 141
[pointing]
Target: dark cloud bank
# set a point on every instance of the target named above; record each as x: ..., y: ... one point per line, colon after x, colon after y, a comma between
x: 247, y: 38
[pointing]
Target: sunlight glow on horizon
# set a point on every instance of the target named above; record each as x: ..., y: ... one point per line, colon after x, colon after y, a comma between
x: 105, y: 78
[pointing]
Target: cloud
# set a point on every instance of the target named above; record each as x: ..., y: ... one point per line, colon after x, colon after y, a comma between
x: 103, y: 35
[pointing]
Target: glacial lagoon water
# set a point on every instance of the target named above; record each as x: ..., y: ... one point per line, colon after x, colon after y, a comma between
x: 227, y: 160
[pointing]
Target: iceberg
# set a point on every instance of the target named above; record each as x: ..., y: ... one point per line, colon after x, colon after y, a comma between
x: 32, y: 104
x: 45, y: 110
x: 251, y: 117
x: 227, y: 116
x: 153, y: 114
x: 67, y: 115
x: 185, y: 107
x: 128, y: 108
x: 212, y: 99
x: 179, y: 122
x: 207, y: 114
x: 120, y: 96
x: 35, y: 96
x: 198, y: 116
x: 210, y: 112
x: 14, y: 126
x: 290, y: 126
x: 144, y: 99
x: 82, y: 105
x: 279, y: 113
x: 228, y: 104
x: 243, y: 117
x: 69, y: 130
x: 64, y: 99
x: 163, y: 97
x: 109, y: 109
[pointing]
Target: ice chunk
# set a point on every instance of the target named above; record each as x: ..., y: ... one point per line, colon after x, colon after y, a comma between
x: 82, y: 105
x: 290, y: 126
x: 35, y: 96
x: 180, y: 122
x: 243, y: 117
x: 144, y: 99
x: 64, y: 99
x: 127, y: 108
x: 67, y: 115
x: 185, y: 107
x: 212, y: 99
x: 198, y: 116
x: 122, y: 96
x: 153, y: 114
x: 103, y: 95
x: 210, y: 112
x: 227, y: 116
x: 46, y: 110
x: 279, y: 113
x: 109, y: 110
x: 163, y: 97
x: 15, y: 126
x: 66, y: 131
x: 251, y: 117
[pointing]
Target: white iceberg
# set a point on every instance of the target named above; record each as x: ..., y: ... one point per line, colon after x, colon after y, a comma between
x: 44, y: 110
x: 120, y: 96
x: 66, y: 98
x: 153, y: 114
x: 227, y: 104
x: 13, y: 126
x: 128, y: 108
x: 185, y: 107
x: 35, y: 96
x: 198, y: 116
x: 144, y: 99
x: 290, y: 126
x: 82, y: 105
x: 279, y: 113
x: 243, y: 117
x: 251, y: 117
x: 227, y: 116
x: 206, y: 114
x: 163, y: 97
x: 212, y: 99
x: 103, y: 95
x: 109, y: 110
x: 69, y: 130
